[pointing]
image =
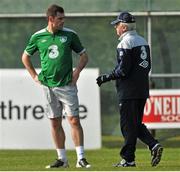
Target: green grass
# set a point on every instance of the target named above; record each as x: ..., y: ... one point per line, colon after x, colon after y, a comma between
x: 101, y: 160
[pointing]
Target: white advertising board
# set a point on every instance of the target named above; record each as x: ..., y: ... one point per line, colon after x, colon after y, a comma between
x: 23, y: 124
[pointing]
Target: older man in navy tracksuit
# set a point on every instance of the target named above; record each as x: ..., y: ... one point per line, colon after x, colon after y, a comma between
x: 132, y: 83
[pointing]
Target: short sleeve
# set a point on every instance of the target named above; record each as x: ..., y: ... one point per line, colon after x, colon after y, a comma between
x: 31, y: 47
x: 76, y: 44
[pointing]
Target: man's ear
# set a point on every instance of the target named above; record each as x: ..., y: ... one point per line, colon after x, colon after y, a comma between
x: 51, y: 18
x: 125, y: 28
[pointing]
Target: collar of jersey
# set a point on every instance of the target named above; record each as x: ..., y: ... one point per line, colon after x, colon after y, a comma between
x: 52, y: 33
x: 132, y: 32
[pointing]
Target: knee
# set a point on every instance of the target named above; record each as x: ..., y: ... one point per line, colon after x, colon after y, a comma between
x: 74, y: 122
x: 55, y: 124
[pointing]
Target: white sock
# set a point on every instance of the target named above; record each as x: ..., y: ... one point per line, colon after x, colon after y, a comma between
x: 61, y: 154
x: 155, y: 146
x: 80, y: 152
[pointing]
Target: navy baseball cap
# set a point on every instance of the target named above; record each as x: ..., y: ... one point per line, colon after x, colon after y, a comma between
x: 124, y: 17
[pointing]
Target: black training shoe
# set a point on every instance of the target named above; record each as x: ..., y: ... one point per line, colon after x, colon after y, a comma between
x: 124, y: 163
x: 83, y: 164
x: 58, y: 164
x: 156, y: 154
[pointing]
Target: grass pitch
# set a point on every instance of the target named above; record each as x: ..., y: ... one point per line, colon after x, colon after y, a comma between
x: 101, y: 160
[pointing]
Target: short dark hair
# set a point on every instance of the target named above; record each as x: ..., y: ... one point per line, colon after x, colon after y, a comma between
x: 53, y: 9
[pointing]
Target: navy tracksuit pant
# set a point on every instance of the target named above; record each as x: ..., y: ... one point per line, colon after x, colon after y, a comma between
x: 131, y: 115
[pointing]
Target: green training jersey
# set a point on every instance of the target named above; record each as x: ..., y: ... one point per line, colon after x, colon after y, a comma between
x: 56, y: 55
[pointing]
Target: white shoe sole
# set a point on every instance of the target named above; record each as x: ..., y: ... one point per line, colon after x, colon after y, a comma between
x: 79, y: 166
x: 64, y: 166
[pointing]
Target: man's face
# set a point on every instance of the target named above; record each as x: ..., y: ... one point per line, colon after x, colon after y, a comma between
x: 57, y: 21
x: 120, y: 28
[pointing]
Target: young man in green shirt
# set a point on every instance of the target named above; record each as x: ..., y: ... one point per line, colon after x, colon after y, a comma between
x: 55, y: 45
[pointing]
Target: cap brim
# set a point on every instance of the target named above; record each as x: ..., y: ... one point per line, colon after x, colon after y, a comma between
x: 115, y: 22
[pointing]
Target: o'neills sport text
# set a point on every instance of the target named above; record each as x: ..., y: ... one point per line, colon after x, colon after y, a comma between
x: 164, y: 108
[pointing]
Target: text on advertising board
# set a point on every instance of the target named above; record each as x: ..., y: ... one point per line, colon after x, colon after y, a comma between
x: 162, y: 108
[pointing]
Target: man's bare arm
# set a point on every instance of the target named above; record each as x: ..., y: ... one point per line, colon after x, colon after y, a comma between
x: 28, y: 65
x: 81, y: 64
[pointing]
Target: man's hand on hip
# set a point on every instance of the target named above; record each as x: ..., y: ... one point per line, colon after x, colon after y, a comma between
x: 37, y: 80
